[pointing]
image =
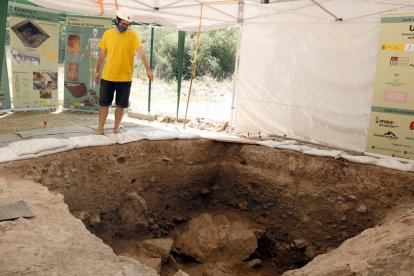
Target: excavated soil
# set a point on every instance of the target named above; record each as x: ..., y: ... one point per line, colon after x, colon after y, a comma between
x: 300, y: 206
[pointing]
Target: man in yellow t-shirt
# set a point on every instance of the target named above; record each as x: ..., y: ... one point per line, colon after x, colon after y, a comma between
x: 118, y: 45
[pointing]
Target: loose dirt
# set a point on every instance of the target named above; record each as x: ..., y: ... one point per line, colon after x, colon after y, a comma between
x: 300, y: 206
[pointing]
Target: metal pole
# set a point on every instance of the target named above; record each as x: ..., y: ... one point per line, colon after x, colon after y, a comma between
x: 3, y: 20
x: 181, y: 43
x: 151, y: 66
x: 236, y: 67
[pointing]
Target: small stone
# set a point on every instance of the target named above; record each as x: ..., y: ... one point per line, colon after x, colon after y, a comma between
x: 181, y: 273
x: 352, y: 197
x: 300, y: 243
x: 242, y: 206
x: 83, y: 215
x: 152, y: 179
x: 310, y: 252
x: 151, y: 220
x: 215, y: 188
x: 362, y: 209
x: 166, y: 159
x: 205, y: 191
x: 94, y: 219
x: 254, y: 263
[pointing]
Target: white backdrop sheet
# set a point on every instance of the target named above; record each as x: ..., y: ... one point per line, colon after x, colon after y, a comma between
x: 309, y: 78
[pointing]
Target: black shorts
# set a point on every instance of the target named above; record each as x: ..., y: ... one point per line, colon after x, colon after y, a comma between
x: 108, y: 88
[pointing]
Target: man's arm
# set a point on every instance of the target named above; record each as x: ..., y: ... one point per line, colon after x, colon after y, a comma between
x: 99, y: 62
x: 144, y: 61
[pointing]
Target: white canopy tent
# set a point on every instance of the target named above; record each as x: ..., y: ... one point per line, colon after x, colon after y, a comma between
x: 306, y: 67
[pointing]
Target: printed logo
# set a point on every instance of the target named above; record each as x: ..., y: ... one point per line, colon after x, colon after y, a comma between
x: 396, y: 77
x: 409, y: 47
x: 393, y: 47
x: 390, y: 135
x: 395, y: 80
x: 395, y: 97
x: 394, y: 61
x: 400, y: 61
x: 412, y: 125
x: 385, y: 122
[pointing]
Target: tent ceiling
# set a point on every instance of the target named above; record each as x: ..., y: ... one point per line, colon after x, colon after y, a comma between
x: 185, y: 14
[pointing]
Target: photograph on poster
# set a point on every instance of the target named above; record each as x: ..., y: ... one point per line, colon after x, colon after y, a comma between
x: 21, y: 57
x: 72, y: 71
x: 38, y: 81
x: 73, y: 44
x: 45, y: 94
x: 77, y: 90
x: 30, y: 33
x: 51, y: 80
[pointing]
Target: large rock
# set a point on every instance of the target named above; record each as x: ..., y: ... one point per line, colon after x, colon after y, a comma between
x: 134, y: 210
x: 210, y: 238
x: 54, y: 242
x: 384, y: 250
x: 159, y: 248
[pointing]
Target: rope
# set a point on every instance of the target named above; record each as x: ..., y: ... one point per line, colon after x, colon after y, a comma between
x: 193, y: 71
x: 194, y: 63
x: 100, y: 2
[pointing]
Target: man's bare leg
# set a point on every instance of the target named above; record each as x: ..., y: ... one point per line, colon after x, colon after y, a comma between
x: 119, y: 113
x: 103, y: 113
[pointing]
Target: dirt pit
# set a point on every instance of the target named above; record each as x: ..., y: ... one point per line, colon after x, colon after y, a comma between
x: 298, y: 206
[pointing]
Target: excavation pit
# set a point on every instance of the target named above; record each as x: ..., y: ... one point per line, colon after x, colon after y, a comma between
x: 298, y: 206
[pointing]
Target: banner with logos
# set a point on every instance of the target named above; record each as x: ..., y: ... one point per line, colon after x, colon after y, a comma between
x: 391, y: 129
x: 34, y: 45
x: 81, y: 54
x: 5, y: 103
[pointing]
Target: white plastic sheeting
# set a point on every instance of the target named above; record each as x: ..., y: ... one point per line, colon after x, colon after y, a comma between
x: 306, y: 76
x: 382, y: 161
x: 28, y: 149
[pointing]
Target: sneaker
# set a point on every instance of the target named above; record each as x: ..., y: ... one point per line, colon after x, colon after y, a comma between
x: 99, y: 131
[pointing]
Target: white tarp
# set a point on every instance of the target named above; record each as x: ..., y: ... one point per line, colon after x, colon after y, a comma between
x: 303, y: 72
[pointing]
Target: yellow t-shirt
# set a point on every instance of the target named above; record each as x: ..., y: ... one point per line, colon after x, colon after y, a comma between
x: 120, y: 47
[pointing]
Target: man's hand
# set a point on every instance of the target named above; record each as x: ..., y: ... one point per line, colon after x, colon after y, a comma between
x: 150, y: 75
x: 96, y: 77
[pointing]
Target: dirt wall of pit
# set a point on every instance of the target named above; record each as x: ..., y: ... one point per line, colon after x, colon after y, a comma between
x: 300, y: 205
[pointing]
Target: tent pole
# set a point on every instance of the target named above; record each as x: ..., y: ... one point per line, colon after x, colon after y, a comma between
x: 327, y: 11
x: 3, y: 21
x: 181, y: 43
x: 151, y: 66
x: 236, y: 67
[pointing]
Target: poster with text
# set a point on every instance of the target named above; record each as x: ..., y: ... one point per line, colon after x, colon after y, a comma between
x: 34, y: 45
x: 83, y: 35
x: 5, y: 103
x: 391, y: 128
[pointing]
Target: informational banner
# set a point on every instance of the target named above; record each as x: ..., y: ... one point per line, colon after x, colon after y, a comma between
x: 4, y: 87
x: 391, y: 130
x: 82, y: 40
x: 34, y: 44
